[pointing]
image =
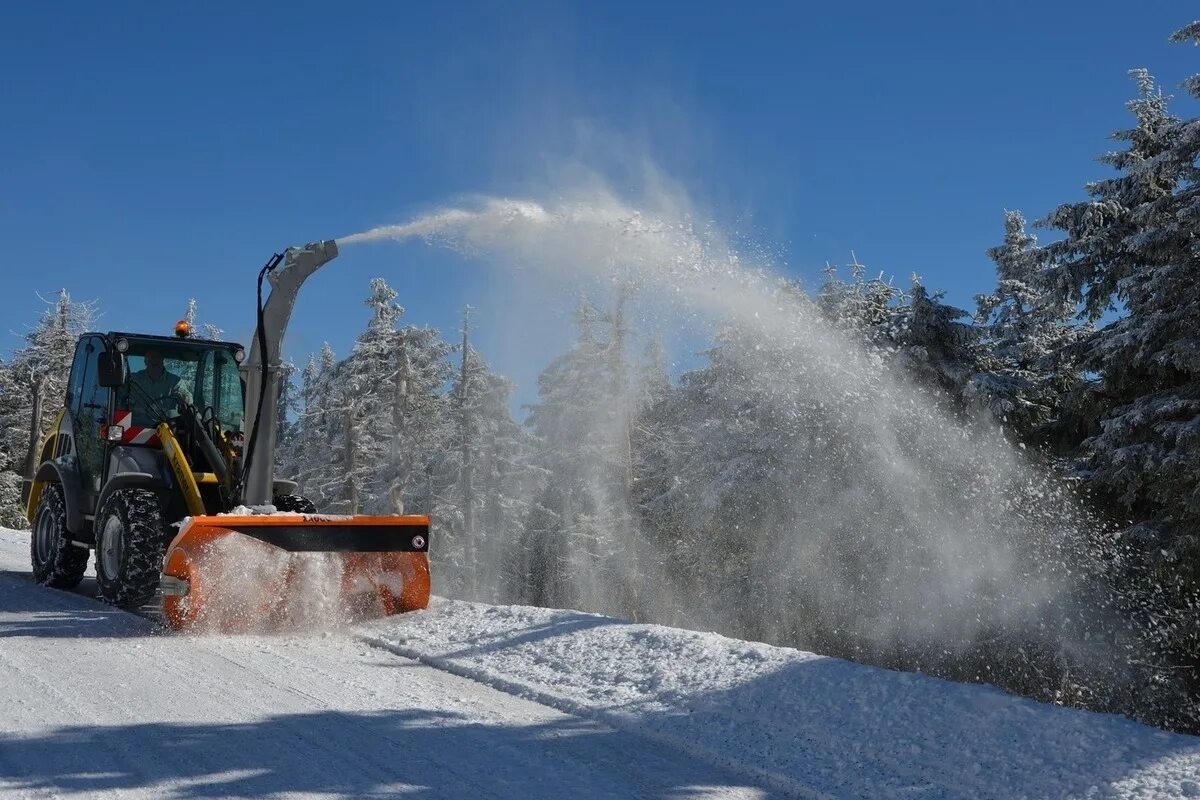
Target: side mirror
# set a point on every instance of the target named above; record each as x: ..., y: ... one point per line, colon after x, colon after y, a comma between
x: 112, y: 370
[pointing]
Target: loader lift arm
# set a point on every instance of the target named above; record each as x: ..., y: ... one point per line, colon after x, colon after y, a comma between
x: 264, y: 363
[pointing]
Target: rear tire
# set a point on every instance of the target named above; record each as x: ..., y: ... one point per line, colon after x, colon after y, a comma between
x: 294, y: 503
x: 130, y: 544
x: 56, y: 562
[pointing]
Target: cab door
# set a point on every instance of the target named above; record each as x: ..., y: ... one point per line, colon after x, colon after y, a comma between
x: 89, y: 411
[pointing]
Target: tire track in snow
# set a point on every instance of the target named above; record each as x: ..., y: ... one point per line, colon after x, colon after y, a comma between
x: 263, y: 676
x: 18, y: 675
x: 779, y: 781
x: 64, y: 710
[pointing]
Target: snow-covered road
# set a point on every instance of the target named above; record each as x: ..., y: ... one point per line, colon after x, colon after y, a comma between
x: 470, y: 700
x: 97, y: 703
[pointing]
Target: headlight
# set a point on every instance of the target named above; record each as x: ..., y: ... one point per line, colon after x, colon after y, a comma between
x: 122, y: 345
x: 239, y: 355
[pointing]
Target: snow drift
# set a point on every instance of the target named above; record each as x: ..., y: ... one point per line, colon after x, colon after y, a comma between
x: 806, y: 724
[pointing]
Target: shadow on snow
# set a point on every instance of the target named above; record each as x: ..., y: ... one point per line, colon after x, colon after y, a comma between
x: 385, y: 753
x: 27, y: 609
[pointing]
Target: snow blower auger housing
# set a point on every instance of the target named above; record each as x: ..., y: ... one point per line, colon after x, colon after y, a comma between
x: 161, y: 433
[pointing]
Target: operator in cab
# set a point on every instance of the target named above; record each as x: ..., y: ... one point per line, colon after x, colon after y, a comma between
x: 156, y: 384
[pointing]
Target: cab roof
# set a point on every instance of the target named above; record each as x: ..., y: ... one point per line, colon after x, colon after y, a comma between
x: 168, y: 340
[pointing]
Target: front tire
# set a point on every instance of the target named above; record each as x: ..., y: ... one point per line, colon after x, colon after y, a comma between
x: 56, y: 562
x: 130, y: 544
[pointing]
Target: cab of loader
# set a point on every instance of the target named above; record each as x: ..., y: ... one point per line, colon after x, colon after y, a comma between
x: 150, y: 432
x: 109, y: 435
x: 163, y: 375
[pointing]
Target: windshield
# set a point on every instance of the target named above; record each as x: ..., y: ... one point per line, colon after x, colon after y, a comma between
x: 164, y: 376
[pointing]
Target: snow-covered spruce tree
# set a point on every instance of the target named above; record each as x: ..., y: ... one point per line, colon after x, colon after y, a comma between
x: 38, y: 374
x: 763, y: 499
x: 287, y: 426
x: 365, y: 378
x: 423, y: 423
x: 575, y: 544
x: 865, y: 308
x: 205, y: 330
x: 390, y: 415
x: 659, y: 430
x: 914, y: 330
x: 939, y: 350
x: 653, y: 383
x: 12, y: 512
x: 312, y: 455
x: 1030, y: 361
x: 483, y: 508
x: 1133, y: 248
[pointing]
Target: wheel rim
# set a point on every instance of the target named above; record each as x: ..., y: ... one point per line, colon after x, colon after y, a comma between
x: 44, y: 533
x: 112, y: 546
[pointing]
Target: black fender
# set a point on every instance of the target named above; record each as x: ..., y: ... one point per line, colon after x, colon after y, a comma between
x: 66, y: 476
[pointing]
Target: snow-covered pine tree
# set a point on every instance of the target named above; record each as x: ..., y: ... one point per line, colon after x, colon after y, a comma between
x: 914, y: 330
x: 391, y: 410
x: 312, y: 456
x: 574, y: 546
x: 653, y: 382
x: 1030, y: 357
x: 38, y: 374
x: 287, y: 426
x: 187, y: 369
x: 939, y: 350
x: 366, y: 378
x: 12, y: 512
x: 426, y: 432
x: 656, y: 435
x: 484, y: 507
x: 865, y: 307
x: 716, y: 468
x: 1132, y: 248
x: 205, y: 330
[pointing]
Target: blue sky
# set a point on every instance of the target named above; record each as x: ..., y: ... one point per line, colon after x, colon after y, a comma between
x: 156, y: 152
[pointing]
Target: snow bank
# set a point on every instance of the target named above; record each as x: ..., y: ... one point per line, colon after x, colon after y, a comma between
x: 810, y: 725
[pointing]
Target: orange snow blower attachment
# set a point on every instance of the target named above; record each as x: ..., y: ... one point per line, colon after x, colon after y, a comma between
x: 234, y: 573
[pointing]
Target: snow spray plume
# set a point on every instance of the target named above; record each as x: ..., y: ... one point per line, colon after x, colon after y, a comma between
x: 870, y: 521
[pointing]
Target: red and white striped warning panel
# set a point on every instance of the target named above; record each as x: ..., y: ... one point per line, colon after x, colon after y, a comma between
x: 133, y: 434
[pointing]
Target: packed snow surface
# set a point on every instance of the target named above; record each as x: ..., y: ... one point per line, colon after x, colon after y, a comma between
x: 468, y: 699
x: 804, y: 723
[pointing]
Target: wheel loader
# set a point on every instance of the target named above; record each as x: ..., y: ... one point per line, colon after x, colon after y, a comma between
x: 162, y: 462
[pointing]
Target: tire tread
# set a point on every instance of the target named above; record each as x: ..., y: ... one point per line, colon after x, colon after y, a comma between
x: 65, y: 567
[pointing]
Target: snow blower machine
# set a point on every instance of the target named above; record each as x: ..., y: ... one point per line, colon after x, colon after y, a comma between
x: 162, y: 461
